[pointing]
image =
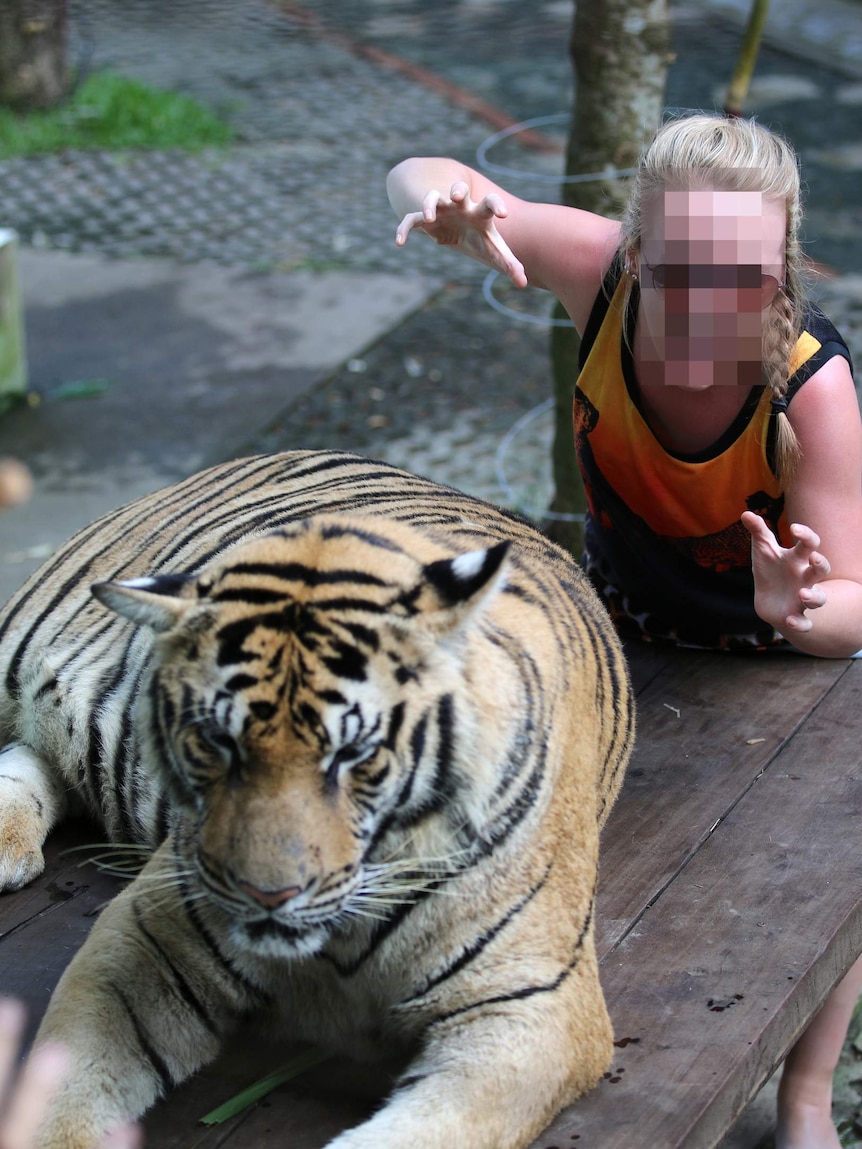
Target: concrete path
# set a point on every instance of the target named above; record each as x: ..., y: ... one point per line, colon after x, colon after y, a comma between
x: 147, y: 370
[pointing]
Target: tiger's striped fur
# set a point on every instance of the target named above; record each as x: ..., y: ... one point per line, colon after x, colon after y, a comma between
x: 375, y: 725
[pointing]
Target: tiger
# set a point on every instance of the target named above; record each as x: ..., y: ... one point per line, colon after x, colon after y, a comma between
x: 366, y: 729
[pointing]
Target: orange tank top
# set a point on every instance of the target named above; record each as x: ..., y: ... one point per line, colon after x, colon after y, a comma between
x: 663, y: 530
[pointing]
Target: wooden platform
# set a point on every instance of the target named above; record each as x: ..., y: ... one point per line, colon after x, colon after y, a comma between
x: 730, y: 903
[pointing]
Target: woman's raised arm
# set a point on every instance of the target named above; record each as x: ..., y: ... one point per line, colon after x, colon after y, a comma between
x: 562, y: 249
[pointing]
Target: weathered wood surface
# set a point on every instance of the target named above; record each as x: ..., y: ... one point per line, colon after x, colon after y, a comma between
x: 730, y: 902
x: 731, y: 896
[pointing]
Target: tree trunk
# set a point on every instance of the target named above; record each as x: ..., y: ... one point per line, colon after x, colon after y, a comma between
x: 32, y: 53
x: 620, y: 53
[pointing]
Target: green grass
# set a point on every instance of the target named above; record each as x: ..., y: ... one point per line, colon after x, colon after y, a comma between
x: 112, y: 112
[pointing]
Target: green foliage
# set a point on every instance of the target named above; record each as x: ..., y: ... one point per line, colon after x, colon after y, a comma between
x: 113, y: 112
x: 238, y: 1104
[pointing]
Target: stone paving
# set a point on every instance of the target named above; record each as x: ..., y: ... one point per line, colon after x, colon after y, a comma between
x: 318, y: 125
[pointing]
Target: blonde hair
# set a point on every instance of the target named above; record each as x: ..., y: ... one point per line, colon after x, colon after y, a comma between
x: 733, y: 154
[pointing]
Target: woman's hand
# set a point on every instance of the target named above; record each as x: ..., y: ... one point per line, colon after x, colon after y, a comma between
x: 15, y: 483
x: 786, y: 579
x: 24, y: 1101
x: 459, y: 221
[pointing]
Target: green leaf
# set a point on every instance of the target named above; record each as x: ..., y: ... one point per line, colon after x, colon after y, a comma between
x: 259, y: 1089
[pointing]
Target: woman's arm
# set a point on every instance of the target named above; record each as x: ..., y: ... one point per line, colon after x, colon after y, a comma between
x: 565, y: 250
x: 812, y: 592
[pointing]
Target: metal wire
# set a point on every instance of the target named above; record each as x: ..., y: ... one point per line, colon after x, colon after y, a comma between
x: 524, y: 316
x: 610, y: 172
x: 500, y: 469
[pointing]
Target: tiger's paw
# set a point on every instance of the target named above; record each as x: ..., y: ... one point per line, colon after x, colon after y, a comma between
x: 30, y: 804
x: 21, y: 857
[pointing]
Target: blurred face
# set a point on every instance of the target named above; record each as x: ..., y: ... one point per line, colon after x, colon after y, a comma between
x: 710, y: 265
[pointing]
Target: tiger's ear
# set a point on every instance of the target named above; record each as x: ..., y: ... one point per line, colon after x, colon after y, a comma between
x: 458, y: 587
x: 159, y: 602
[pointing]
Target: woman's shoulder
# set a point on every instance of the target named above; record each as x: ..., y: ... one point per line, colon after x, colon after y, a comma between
x: 822, y: 388
x: 820, y: 343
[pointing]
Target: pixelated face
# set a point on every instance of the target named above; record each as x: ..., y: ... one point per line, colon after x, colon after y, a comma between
x: 711, y: 263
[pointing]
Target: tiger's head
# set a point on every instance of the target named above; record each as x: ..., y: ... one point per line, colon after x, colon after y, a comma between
x: 305, y: 706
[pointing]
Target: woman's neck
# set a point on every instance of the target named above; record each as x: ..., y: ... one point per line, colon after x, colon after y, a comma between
x: 682, y: 419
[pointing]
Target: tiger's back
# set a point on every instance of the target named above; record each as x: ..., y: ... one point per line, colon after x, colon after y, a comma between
x: 494, y: 719
x: 56, y: 640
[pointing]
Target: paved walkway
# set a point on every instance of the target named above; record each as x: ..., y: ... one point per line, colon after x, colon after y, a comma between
x: 318, y: 121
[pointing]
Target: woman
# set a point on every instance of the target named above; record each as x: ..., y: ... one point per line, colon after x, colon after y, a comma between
x: 716, y: 422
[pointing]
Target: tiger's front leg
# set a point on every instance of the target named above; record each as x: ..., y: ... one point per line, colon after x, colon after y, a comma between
x: 144, y: 1004
x: 32, y: 801
x: 496, y: 1077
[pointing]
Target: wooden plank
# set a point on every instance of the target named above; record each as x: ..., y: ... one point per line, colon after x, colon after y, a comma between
x: 707, y: 728
x: 44, y: 925
x: 722, y: 973
x: 646, y: 661
x: 688, y: 772
x: 304, y: 1114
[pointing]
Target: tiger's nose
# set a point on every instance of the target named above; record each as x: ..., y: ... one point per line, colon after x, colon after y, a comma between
x: 269, y: 899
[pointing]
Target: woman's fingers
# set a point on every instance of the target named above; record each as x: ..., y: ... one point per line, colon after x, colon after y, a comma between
x: 45, y: 1069
x: 428, y: 214
x: 803, y: 537
x: 517, y: 275
x: 412, y: 220
x: 805, y: 543
x: 459, y: 220
x: 493, y: 207
x: 16, y: 483
x: 812, y: 597
x: 753, y: 523
x: 415, y: 219
x: 429, y: 205
x: 805, y: 546
x: 798, y: 622
x: 12, y: 1020
x: 759, y: 531
x: 819, y: 566
x: 514, y: 269
x: 22, y: 1109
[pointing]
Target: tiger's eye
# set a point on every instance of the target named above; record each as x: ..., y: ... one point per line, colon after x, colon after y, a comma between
x: 345, y: 757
